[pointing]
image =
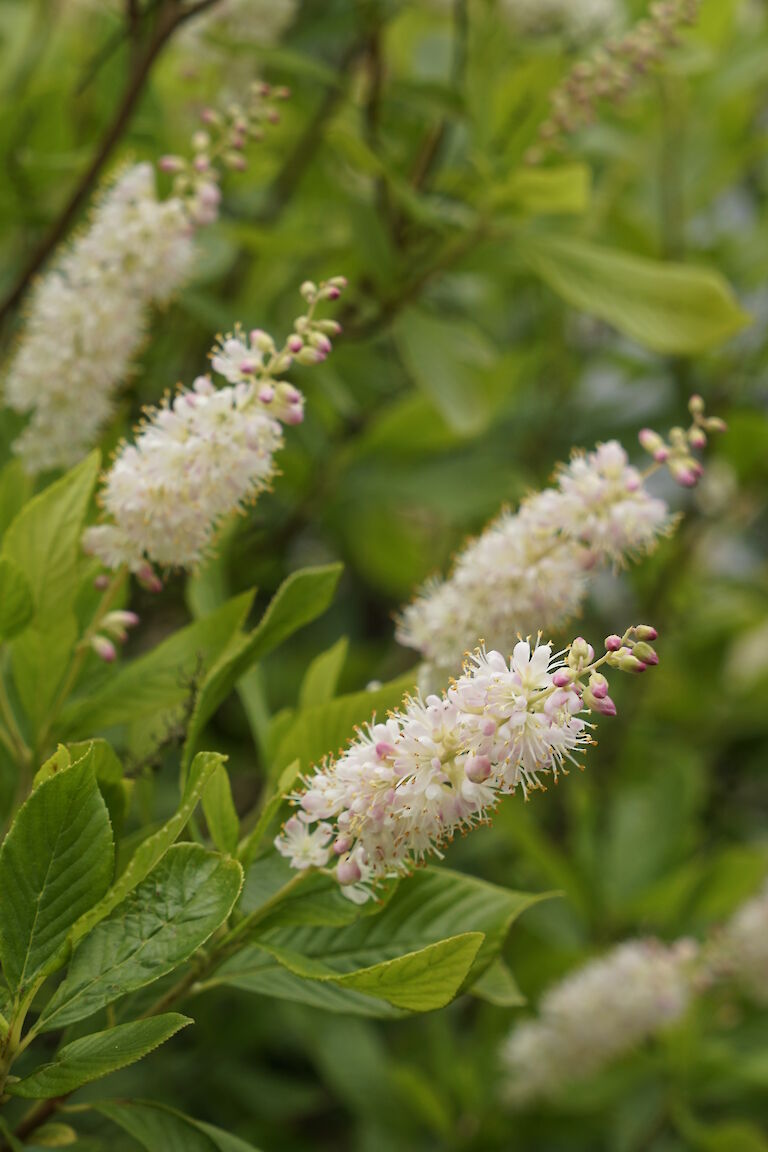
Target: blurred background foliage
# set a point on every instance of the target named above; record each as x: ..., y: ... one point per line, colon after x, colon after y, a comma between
x: 461, y: 379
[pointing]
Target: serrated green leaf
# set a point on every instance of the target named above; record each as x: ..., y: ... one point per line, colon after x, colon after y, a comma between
x: 43, y: 542
x: 302, y: 597
x: 323, y: 730
x: 160, y: 680
x: 55, y: 864
x: 97, y: 1055
x: 157, y: 927
x: 109, y: 777
x: 220, y: 812
x: 151, y: 851
x: 671, y: 308
x: 418, y: 981
x: 16, y: 605
x: 161, y: 1129
x: 432, y: 906
x: 322, y: 675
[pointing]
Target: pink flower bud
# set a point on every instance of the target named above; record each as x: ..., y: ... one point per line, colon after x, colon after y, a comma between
x: 646, y: 632
x: 613, y: 643
x: 644, y: 652
x: 102, y: 582
x: 104, y: 648
x: 294, y: 415
x: 561, y: 678
x: 342, y: 844
x: 598, y: 686
x: 477, y: 769
x: 697, y: 438
x: 266, y: 393
x: 488, y: 727
x: 149, y: 579
x: 248, y: 367
x: 295, y: 344
x: 348, y: 871
x: 661, y: 455
x: 171, y: 164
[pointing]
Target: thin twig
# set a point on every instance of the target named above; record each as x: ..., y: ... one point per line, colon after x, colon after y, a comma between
x: 170, y: 17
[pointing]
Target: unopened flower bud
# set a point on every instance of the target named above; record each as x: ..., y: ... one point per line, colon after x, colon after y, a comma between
x: 102, y: 582
x: 562, y: 678
x: 321, y: 342
x: 477, y: 769
x: 646, y: 632
x: 295, y: 344
x: 684, y: 471
x: 329, y: 327
x: 715, y: 424
x: 201, y: 141
x: 696, y: 405
x: 697, y: 438
x: 104, y: 648
x: 171, y: 164
x: 235, y: 161
x: 629, y: 663
x: 309, y: 355
x: 612, y: 643
x: 282, y: 363
x: 348, y: 871
x: 580, y: 653
x: 308, y: 291
x: 338, y: 281
x: 209, y: 116
x: 598, y: 686
x: 651, y: 441
x: 119, y: 619
x: 644, y: 652
x: 602, y: 704
x: 149, y: 579
x: 262, y: 340
x: 342, y: 844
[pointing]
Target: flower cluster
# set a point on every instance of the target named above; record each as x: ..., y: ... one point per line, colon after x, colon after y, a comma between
x: 88, y: 315
x: 207, y: 451
x: 610, y: 72
x: 530, y: 568
x: 578, y: 22
x: 739, y: 953
x: 598, y: 1014
x: 440, y: 764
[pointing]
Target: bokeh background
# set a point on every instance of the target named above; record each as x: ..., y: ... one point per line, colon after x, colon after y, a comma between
x: 462, y: 378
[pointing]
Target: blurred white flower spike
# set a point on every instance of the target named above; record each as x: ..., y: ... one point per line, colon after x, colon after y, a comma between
x: 441, y: 764
x: 88, y: 315
x: 598, y: 1014
x: 206, y: 452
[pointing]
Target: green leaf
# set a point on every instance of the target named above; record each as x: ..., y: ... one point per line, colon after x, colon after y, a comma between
x: 109, y: 777
x: 16, y: 605
x: 322, y: 675
x: 220, y: 812
x: 15, y: 488
x: 498, y: 986
x: 326, y: 728
x: 55, y: 1136
x: 160, y: 680
x: 418, y: 981
x: 430, y: 907
x: 151, y: 851
x: 671, y: 308
x: 449, y: 360
x: 546, y: 191
x: 299, y: 599
x: 97, y: 1055
x: 55, y: 864
x: 43, y: 543
x: 158, y: 926
x: 161, y: 1129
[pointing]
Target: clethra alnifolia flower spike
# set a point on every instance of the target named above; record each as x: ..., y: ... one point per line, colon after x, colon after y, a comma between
x: 440, y: 764
x: 160, y: 511
x: 531, y: 568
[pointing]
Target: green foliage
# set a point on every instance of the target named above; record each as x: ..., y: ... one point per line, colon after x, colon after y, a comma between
x: 185, y: 898
x: 161, y: 1129
x: 97, y: 1055
x: 56, y: 863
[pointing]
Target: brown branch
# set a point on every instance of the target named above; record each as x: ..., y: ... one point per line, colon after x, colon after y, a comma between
x: 37, y: 1116
x: 169, y: 19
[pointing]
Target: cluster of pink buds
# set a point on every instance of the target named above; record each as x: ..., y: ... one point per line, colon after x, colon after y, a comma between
x: 676, y: 451
x: 631, y: 652
x: 113, y: 629
x: 221, y: 144
x: 610, y: 72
